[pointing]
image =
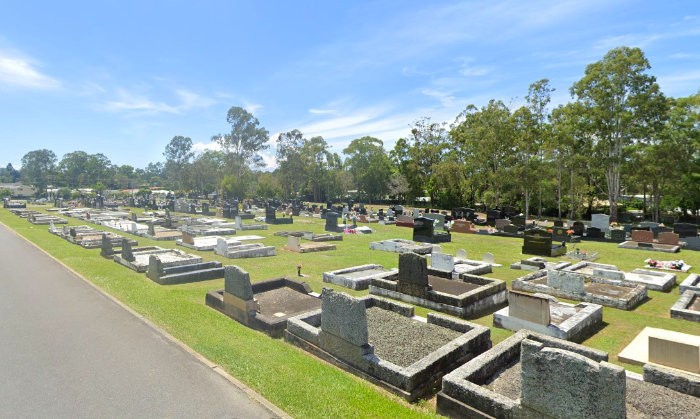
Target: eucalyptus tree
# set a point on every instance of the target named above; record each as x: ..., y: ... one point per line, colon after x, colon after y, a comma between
x: 178, y: 156
x: 369, y: 166
x: 39, y: 169
x: 290, y: 162
x: 242, y: 146
x: 621, y: 105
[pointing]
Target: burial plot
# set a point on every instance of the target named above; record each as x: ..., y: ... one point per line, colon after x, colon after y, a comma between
x: 667, y: 265
x: 294, y: 244
x: 323, y: 237
x: 180, y: 274
x: 469, y: 296
x: 424, y: 230
x: 531, y: 375
x: 463, y: 226
x: 691, y: 282
x: 138, y: 258
x: 265, y: 305
x: 380, y: 341
x: 687, y: 307
x: 240, y: 225
x: 584, y: 287
x: 644, y: 240
x: 271, y: 217
x: 332, y: 225
x: 545, y: 314
x: 204, y: 243
x: 457, y: 266
x: 404, y: 221
x: 161, y: 233
x: 664, y: 347
x: 539, y: 242
x: 239, y: 250
x: 358, y: 277
x: 402, y: 246
x: 657, y: 281
x: 492, y: 215
x: 499, y: 383
x: 685, y: 230
x: 197, y: 230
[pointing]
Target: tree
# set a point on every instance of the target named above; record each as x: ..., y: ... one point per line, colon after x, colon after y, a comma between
x: 38, y: 168
x: 290, y: 163
x: 178, y: 154
x: 369, y: 166
x: 621, y: 104
x: 207, y: 171
x: 245, y: 141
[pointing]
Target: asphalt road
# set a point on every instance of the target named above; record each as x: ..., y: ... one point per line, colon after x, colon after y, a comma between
x: 66, y: 350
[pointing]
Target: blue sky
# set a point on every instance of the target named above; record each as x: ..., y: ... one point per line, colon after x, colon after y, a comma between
x: 123, y: 77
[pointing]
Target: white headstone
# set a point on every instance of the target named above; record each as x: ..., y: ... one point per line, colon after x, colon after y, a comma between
x: 442, y: 262
x: 488, y: 258
x: 416, y: 213
x: 461, y: 254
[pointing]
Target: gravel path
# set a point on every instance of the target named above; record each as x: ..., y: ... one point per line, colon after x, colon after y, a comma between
x: 401, y: 340
x: 644, y: 400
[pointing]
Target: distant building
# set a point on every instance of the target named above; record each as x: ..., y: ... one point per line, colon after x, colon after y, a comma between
x: 19, y: 190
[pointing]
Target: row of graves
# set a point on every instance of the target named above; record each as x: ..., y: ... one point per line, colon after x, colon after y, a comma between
x: 539, y: 371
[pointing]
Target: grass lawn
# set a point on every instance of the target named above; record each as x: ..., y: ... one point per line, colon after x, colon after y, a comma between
x: 295, y: 381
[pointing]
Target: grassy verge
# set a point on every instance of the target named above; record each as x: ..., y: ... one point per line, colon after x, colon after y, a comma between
x: 295, y: 381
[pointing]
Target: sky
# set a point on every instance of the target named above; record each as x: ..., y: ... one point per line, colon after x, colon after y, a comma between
x: 122, y: 78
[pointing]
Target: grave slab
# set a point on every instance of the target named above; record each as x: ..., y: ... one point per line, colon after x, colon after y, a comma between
x: 358, y: 277
x: 664, y: 347
x: 356, y: 335
x: 687, y: 307
x: 402, y: 246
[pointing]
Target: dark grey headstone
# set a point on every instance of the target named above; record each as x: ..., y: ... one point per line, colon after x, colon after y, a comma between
x: 344, y: 317
x: 237, y: 282
x: 106, y: 249
x: 413, y: 269
x: 126, y: 251
x: 151, y: 228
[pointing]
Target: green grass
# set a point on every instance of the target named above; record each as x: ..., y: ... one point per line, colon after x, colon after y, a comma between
x: 295, y: 381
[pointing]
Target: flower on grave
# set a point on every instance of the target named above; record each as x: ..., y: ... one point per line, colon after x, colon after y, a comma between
x: 550, y: 230
x: 570, y: 232
x: 651, y: 262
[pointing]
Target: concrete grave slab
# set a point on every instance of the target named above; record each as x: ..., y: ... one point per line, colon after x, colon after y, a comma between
x: 687, y: 307
x: 651, y: 343
x: 358, y: 277
x: 402, y: 246
x: 294, y: 244
x: 354, y: 334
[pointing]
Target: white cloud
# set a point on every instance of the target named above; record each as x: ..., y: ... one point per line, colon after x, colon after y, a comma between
x: 200, y: 147
x: 129, y: 101
x: 252, y: 107
x: 678, y: 84
x: 322, y: 111
x: 20, y: 72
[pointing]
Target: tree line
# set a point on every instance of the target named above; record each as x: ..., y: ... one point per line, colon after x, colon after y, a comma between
x: 618, y: 136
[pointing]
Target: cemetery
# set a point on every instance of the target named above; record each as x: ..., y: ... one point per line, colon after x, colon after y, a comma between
x: 402, y: 246
x: 235, y: 249
x: 468, y: 296
x: 358, y: 277
x: 428, y: 230
x: 657, y: 281
x: 544, y: 314
x: 644, y: 240
x: 294, y: 244
x: 381, y: 341
x: 602, y: 283
x: 138, y: 259
x: 161, y: 274
x: 539, y: 242
x: 266, y: 305
x: 522, y: 377
x: 584, y: 287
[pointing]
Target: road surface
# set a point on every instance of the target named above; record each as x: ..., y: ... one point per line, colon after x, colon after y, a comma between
x: 67, y: 350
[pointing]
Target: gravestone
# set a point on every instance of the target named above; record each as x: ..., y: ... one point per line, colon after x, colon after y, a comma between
x: 685, y: 230
x: 559, y: 383
x: 601, y: 221
x: 518, y: 220
x: 492, y: 215
x: 618, y: 235
x: 151, y: 229
x: 424, y: 231
x: 489, y: 258
x: 344, y: 317
x: 461, y: 254
x: 642, y: 236
x: 331, y: 221
x: 571, y: 282
x: 442, y: 261
x: 462, y: 226
x: 237, y: 282
x: 511, y: 229
x: 413, y: 275
x: 558, y: 223
x: 528, y: 307
x: 594, y: 233
x: 539, y: 242
x: 668, y: 238
x: 127, y: 253
x: 501, y: 223
x: 560, y: 234
x: 680, y: 355
x: 270, y: 215
x: 578, y: 228
x: 107, y: 250
x: 205, y: 208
